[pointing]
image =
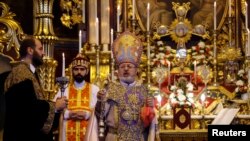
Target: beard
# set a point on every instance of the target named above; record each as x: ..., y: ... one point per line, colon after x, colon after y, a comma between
x: 128, y: 79
x: 37, y: 60
x: 79, y: 78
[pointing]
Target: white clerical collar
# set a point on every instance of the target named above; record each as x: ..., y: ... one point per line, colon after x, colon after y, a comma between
x: 32, y: 68
x: 79, y: 85
x: 128, y: 85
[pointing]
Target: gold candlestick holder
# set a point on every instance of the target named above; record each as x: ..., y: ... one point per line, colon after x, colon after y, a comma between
x: 112, y: 68
x: 97, y: 79
x: 230, y: 23
x: 134, y: 25
x: 247, y: 47
x: 215, y: 72
x: 92, y: 47
x: 118, y: 34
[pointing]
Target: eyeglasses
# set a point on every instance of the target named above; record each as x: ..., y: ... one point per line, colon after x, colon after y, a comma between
x: 128, y: 66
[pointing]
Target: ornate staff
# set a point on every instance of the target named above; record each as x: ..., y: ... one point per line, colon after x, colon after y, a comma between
x: 63, y: 83
x: 101, y: 123
x: 101, y: 120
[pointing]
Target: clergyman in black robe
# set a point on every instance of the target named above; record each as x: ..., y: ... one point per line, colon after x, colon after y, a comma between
x: 29, y: 115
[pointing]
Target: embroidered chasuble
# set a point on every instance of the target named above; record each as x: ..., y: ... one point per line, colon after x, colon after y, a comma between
x: 123, y: 119
x: 79, y: 100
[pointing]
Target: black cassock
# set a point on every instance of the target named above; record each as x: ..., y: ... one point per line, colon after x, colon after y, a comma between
x: 25, y: 114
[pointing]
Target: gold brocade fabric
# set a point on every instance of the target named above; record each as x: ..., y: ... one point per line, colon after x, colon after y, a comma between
x: 79, y: 100
x: 129, y: 101
x: 21, y: 72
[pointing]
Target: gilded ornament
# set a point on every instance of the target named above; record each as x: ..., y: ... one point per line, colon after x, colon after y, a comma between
x: 72, y: 12
x: 133, y: 98
x: 126, y: 115
x: 181, y: 31
x: 229, y: 54
x: 11, y: 32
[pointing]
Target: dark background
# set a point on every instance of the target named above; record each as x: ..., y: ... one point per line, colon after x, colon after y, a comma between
x: 67, y: 38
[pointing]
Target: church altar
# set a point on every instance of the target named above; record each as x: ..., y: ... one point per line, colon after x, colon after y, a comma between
x: 198, y: 131
x: 184, y: 135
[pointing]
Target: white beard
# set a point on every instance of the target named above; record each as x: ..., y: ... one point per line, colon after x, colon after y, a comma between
x: 127, y: 80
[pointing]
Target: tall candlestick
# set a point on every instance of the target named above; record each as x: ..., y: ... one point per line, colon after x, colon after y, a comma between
x: 133, y: 10
x: 195, y: 71
x: 63, y: 65
x: 159, y: 98
x: 97, y: 31
x: 169, y: 65
x: 111, y: 53
x: 148, y: 15
x: 80, y: 40
x: 111, y: 41
x: 118, y: 18
x: 215, y: 22
x: 230, y: 9
x: 246, y: 18
x: 203, y: 98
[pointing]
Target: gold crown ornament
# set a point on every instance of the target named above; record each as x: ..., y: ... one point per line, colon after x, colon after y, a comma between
x: 127, y: 48
x: 80, y: 60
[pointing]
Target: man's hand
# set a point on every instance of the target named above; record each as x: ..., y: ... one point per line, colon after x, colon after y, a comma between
x: 61, y: 103
x: 73, y: 115
x: 150, y: 101
x: 77, y: 115
x: 101, y: 95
